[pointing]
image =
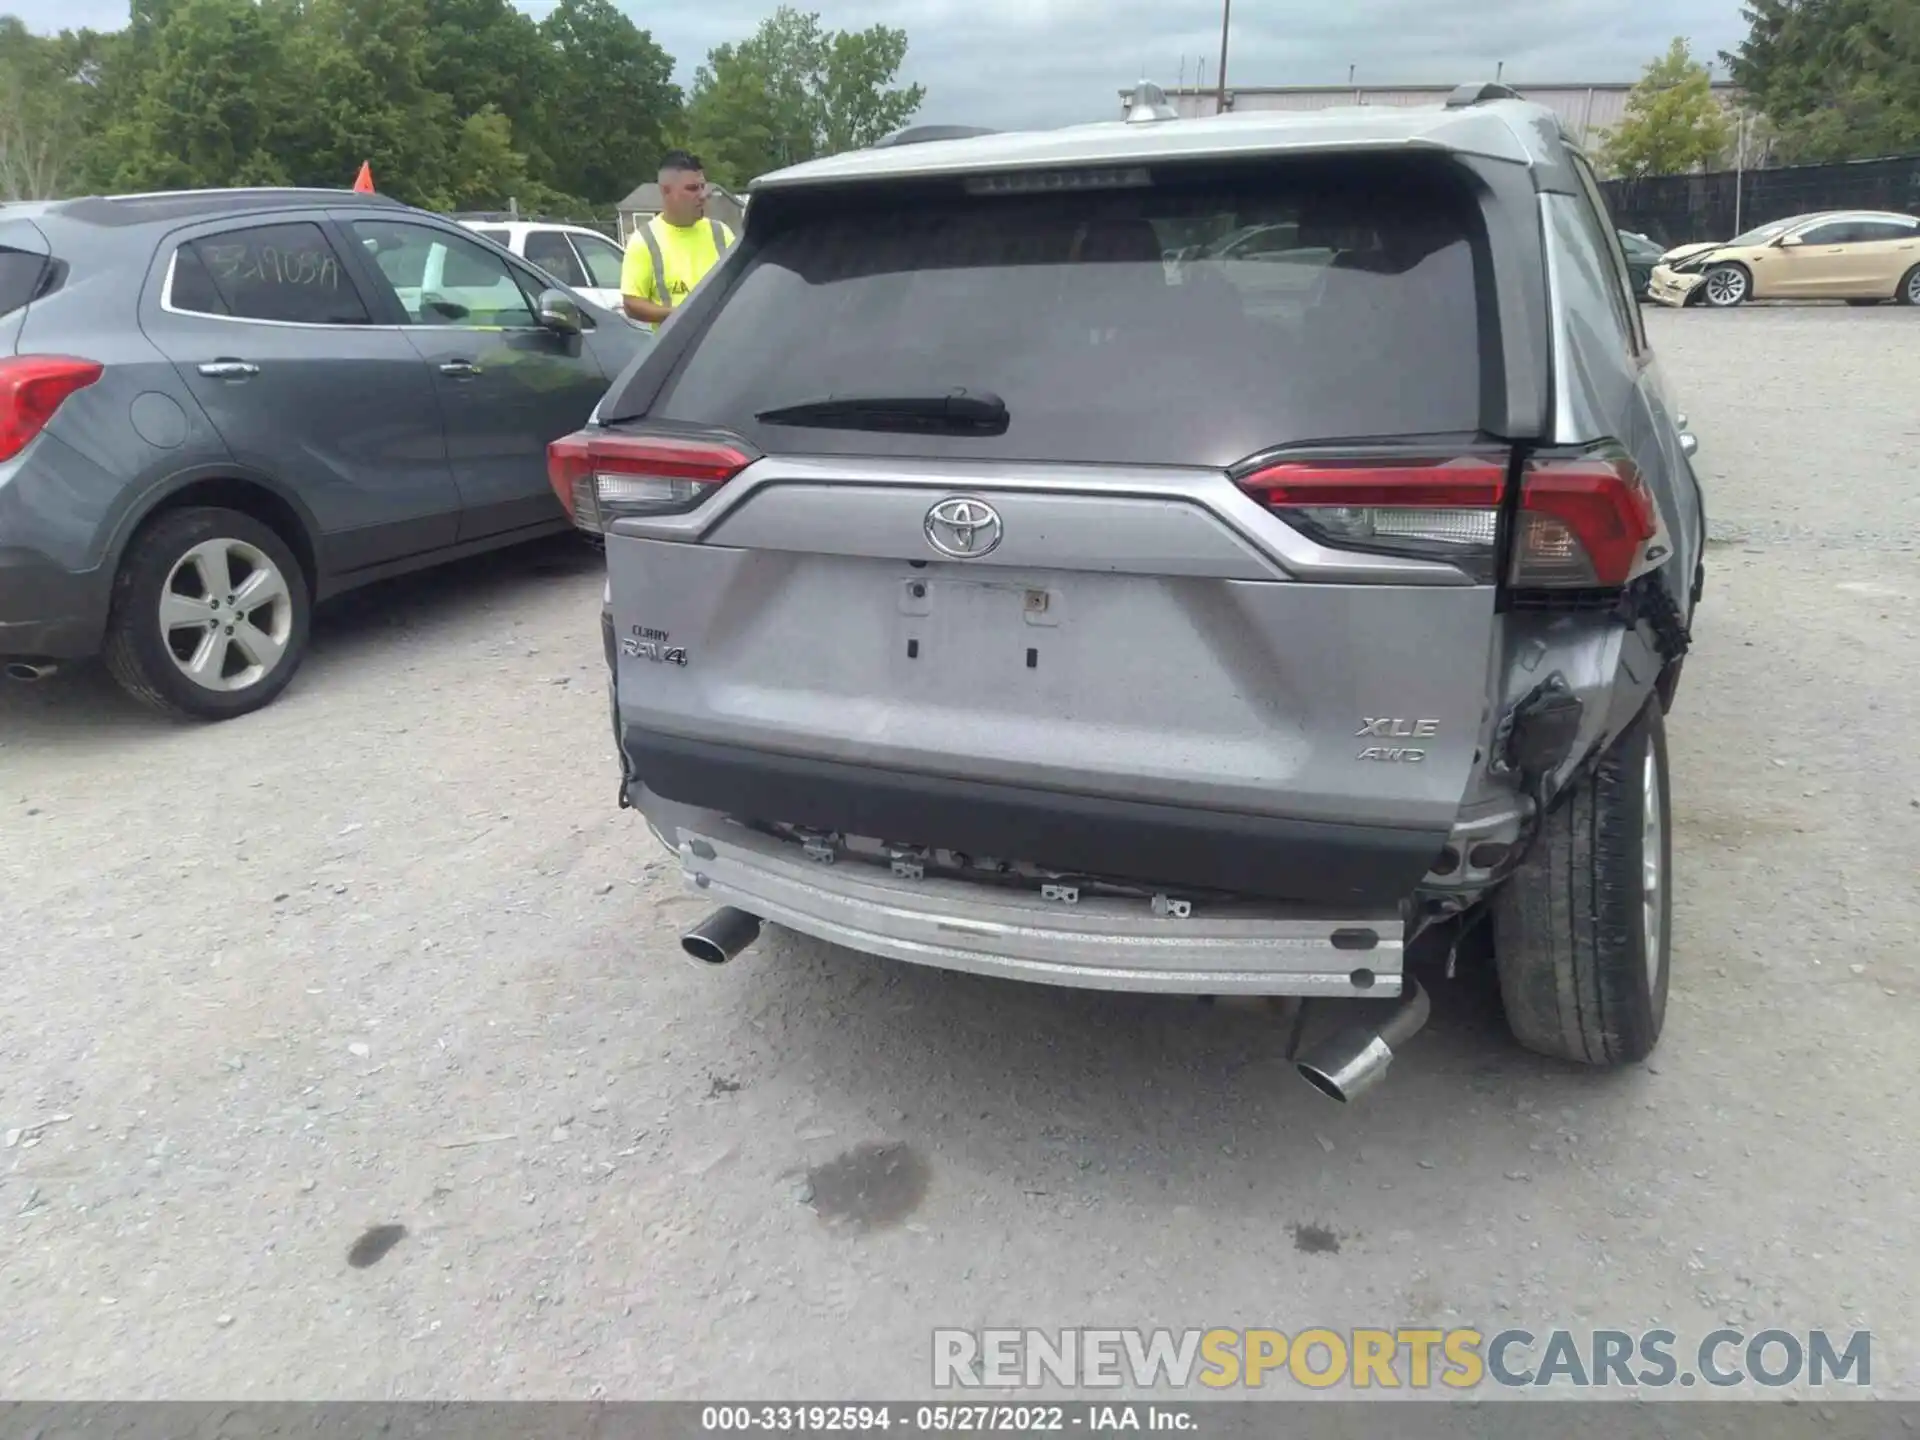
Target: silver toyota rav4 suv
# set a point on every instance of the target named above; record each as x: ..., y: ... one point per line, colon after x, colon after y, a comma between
x: 1005, y: 574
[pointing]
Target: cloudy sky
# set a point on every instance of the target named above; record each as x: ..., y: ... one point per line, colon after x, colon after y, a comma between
x: 1019, y: 62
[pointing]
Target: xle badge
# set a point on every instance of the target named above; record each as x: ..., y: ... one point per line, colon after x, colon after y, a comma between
x: 648, y: 644
x: 1390, y: 729
x: 1394, y: 728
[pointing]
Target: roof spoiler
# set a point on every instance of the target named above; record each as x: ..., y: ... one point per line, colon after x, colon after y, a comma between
x: 920, y: 134
x: 1479, y: 93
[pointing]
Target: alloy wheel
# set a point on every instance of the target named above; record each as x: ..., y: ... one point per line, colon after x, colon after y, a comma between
x: 1726, y: 286
x: 226, y: 615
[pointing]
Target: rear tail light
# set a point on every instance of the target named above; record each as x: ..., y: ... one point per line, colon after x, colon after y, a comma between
x: 603, y: 476
x: 32, y: 387
x: 1586, y: 521
x: 1432, y: 509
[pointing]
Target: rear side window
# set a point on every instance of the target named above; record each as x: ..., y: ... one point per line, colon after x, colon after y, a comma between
x: 603, y: 260
x: 1869, y: 232
x: 1196, y: 320
x: 550, y: 251
x: 23, y: 278
x: 1612, y: 257
x: 286, y: 273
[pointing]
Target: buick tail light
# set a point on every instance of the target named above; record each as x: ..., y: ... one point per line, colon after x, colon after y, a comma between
x: 1586, y: 520
x: 32, y: 387
x: 604, y: 476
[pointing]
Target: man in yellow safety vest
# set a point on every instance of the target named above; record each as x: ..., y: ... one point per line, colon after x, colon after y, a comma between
x: 672, y: 252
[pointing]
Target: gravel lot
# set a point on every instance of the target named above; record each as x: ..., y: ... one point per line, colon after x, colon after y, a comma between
x: 387, y: 955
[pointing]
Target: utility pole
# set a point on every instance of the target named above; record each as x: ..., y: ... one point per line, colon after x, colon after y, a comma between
x: 1739, y: 166
x: 1226, y: 21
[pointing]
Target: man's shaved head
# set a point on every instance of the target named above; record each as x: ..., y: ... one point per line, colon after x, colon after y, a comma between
x: 683, y: 188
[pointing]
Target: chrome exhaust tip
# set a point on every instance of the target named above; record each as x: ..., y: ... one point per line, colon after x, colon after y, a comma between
x: 28, y: 671
x: 721, y: 936
x: 1349, y: 1063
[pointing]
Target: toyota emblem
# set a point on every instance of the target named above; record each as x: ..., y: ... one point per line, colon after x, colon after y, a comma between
x: 963, y: 528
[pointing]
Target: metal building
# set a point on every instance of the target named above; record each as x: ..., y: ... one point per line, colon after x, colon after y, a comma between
x: 1588, y: 111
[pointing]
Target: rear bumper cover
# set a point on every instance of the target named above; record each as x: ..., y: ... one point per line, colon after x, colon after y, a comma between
x: 1102, y: 944
x: 47, y: 612
x: 1370, y: 869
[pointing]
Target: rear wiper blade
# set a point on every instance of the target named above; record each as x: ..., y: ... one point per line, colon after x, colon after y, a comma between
x: 957, y: 411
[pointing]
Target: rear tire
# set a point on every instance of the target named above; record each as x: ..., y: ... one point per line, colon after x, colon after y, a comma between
x: 1726, y: 286
x: 209, y: 618
x: 1909, y: 291
x: 1582, y: 931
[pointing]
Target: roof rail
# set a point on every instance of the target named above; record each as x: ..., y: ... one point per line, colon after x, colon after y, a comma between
x: 920, y: 134
x: 1480, y: 92
x: 1149, y: 104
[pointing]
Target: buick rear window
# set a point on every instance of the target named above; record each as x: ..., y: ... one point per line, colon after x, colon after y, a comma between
x: 1195, y: 320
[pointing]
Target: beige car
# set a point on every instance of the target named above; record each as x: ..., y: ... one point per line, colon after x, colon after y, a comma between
x: 1861, y: 256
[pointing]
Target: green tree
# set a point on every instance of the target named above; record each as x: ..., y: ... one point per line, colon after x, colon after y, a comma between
x: 793, y: 91
x: 204, y: 89
x: 489, y: 171
x: 275, y: 92
x: 361, y: 95
x: 609, y: 104
x: 1674, y: 125
x: 451, y: 100
x: 43, y: 113
x: 1838, y: 79
x: 487, y: 54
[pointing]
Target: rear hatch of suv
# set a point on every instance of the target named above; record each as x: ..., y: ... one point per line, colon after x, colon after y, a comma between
x: 1030, y: 517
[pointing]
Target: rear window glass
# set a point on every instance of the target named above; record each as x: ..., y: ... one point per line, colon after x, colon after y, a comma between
x: 1197, y: 320
x: 21, y: 273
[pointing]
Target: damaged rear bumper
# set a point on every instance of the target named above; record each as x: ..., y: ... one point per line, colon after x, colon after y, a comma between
x: 1100, y: 942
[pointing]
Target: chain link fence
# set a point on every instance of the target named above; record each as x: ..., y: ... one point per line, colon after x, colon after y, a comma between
x: 1679, y: 209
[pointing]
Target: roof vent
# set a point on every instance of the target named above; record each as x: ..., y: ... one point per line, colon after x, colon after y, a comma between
x: 1149, y: 104
x: 1477, y: 94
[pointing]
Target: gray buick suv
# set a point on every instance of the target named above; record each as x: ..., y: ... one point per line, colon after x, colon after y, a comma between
x: 1005, y: 575
x: 218, y: 408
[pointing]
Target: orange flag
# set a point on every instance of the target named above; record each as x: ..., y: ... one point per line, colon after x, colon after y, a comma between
x: 363, y: 182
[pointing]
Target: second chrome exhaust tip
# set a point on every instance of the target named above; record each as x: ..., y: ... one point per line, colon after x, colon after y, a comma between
x: 721, y: 936
x: 1349, y: 1063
